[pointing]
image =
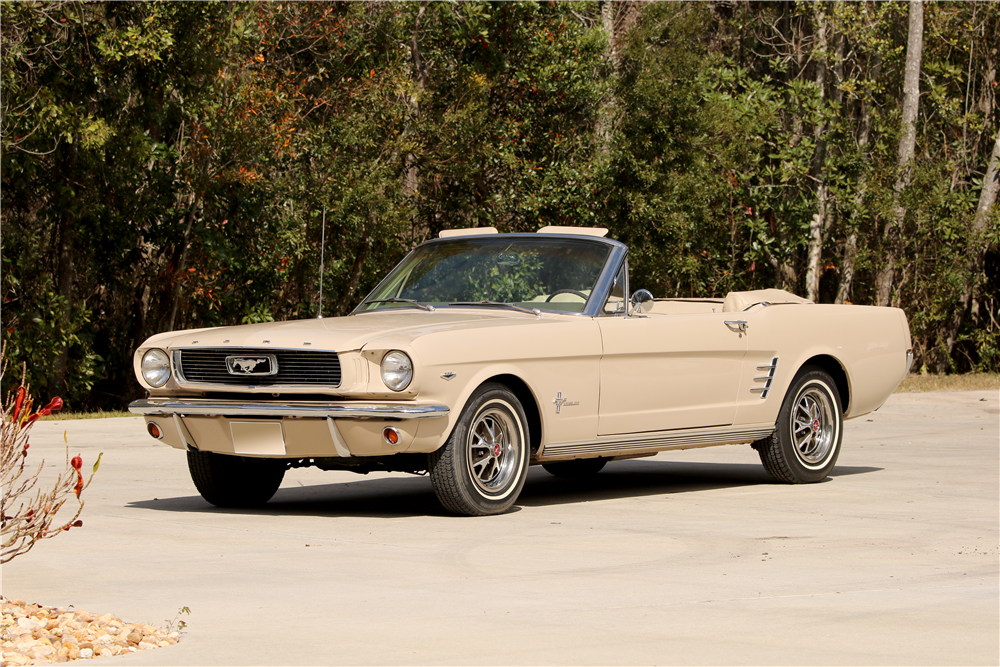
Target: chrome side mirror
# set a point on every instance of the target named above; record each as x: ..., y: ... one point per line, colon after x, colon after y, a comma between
x: 642, y: 301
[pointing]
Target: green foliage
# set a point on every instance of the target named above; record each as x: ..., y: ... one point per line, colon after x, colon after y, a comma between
x: 167, y: 165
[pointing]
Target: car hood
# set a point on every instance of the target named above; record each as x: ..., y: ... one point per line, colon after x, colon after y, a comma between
x: 351, y: 332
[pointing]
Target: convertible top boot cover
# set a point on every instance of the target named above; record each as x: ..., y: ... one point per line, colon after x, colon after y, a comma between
x: 739, y: 301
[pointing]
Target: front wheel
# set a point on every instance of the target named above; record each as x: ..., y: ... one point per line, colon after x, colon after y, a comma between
x: 806, y: 440
x: 234, y: 481
x: 482, y: 468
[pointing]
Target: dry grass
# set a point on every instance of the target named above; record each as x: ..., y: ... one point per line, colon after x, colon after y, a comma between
x: 100, y: 414
x: 965, y: 382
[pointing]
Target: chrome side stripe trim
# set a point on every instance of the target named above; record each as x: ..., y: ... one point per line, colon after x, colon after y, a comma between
x: 670, y: 440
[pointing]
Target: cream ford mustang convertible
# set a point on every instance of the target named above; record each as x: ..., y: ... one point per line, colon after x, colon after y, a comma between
x: 484, y: 353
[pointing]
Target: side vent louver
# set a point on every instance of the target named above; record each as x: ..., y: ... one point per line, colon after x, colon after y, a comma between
x: 768, y: 379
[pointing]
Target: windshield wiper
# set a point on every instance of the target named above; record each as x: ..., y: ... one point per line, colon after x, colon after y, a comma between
x: 396, y: 299
x: 533, y: 311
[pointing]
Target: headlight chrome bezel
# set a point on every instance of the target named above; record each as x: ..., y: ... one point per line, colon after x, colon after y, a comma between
x: 396, y: 370
x: 155, y: 367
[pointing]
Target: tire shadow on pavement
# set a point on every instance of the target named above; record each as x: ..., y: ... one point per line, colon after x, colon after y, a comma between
x: 622, y: 479
x: 385, y: 497
x: 402, y: 495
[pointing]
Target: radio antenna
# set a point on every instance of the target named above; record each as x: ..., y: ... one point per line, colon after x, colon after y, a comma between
x: 322, y: 248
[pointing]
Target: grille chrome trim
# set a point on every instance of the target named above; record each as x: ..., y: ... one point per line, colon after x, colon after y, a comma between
x: 294, y: 367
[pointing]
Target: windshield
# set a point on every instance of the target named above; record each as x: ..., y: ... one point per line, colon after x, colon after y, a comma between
x: 544, y: 273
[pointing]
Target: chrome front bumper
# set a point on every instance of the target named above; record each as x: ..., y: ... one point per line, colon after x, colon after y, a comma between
x: 274, y: 409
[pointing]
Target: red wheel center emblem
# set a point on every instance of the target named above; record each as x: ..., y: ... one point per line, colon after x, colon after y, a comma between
x: 816, y: 425
x: 496, y: 450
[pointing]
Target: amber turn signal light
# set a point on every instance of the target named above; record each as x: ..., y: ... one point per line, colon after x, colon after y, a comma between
x: 154, y: 430
x: 390, y: 435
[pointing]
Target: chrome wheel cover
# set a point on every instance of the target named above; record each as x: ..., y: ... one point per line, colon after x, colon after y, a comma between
x: 493, y: 449
x: 814, y: 426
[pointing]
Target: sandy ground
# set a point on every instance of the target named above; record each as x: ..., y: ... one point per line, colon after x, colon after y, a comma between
x: 686, y: 558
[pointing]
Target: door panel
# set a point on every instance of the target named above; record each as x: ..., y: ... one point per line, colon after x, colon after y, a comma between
x: 666, y: 372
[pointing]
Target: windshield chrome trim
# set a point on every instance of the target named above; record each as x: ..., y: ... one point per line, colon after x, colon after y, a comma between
x: 605, y: 283
x: 412, y: 303
x: 337, y: 409
x: 591, y: 309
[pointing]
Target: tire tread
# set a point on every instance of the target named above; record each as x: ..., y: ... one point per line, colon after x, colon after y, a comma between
x: 234, y: 481
x: 446, y: 486
x: 769, y: 450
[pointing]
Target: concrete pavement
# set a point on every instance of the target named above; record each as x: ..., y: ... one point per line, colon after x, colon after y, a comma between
x: 690, y: 557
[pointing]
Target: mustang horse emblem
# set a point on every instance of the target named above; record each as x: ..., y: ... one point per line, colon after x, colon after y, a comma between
x: 247, y: 365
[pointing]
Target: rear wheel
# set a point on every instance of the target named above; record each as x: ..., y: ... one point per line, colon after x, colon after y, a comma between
x: 576, y: 468
x: 806, y: 440
x: 234, y: 481
x: 482, y: 468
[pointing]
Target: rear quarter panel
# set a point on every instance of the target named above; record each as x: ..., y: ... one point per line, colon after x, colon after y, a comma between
x: 869, y: 343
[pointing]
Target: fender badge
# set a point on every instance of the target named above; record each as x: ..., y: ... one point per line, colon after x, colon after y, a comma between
x: 449, y: 375
x: 560, y: 401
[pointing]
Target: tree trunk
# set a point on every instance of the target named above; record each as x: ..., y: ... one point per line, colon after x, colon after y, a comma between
x: 419, y: 76
x: 64, y: 275
x: 907, y: 143
x: 820, y: 219
x: 978, y: 247
x: 850, y: 256
x: 784, y: 273
x: 605, y: 114
x: 816, y: 228
x: 847, y: 264
x: 789, y: 29
x: 175, y: 293
x: 609, y: 12
x: 64, y: 288
x: 359, y: 265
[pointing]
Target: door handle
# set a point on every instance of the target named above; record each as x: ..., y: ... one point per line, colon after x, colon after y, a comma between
x: 737, y: 325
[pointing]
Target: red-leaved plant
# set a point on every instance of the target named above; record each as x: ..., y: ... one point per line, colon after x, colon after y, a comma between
x: 28, y: 512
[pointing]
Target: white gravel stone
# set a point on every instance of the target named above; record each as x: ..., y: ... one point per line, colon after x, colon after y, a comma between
x: 30, y: 623
x: 32, y: 633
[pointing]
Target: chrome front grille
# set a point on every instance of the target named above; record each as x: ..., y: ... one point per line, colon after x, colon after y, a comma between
x: 294, y: 367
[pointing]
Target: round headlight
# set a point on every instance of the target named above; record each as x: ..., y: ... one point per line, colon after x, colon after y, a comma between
x: 397, y: 370
x: 155, y: 367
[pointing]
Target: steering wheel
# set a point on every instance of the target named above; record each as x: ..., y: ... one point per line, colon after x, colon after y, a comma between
x: 567, y: 291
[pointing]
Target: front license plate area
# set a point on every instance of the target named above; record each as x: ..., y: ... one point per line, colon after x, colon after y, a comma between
x: 257, y: 437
